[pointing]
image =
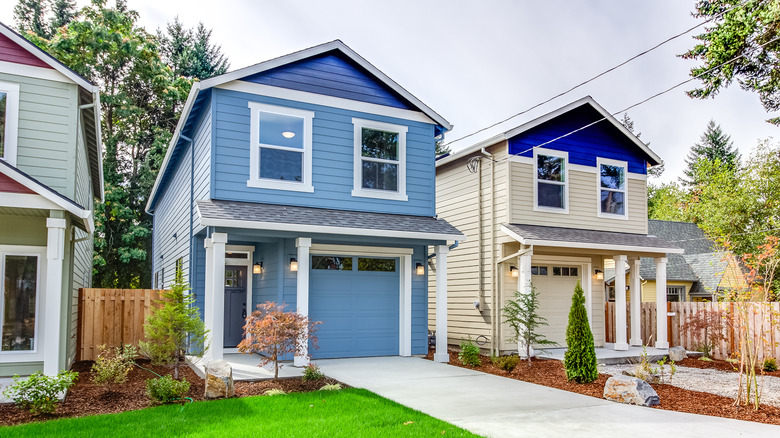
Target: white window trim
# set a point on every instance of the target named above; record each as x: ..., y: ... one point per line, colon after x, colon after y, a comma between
x: 40, y: 252
x: 11, y: 122
x: 554, y: 153
x: 618, y: 163
x: 358, y: 190
x: 254, y: 152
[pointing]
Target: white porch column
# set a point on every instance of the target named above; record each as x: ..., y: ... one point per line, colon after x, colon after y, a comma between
x: 636, y: 303
x: 218, y: 241
x: 208, y: 297
x: 441, y: 354
x: 660, y: 302
x: 524, y: 287
x: 302, y: 292
x: 620, y: 303
x: 55, y: 252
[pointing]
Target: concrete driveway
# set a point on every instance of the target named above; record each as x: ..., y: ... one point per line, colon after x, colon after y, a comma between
x: 500, y: 407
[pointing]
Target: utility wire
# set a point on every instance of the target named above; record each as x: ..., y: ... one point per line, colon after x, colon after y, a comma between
x: 581, y: 84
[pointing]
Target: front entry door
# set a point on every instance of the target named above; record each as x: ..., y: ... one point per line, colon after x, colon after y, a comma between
x: 235, y: 304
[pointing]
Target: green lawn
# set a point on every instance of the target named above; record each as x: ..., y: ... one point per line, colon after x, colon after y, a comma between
x: 349, y: 413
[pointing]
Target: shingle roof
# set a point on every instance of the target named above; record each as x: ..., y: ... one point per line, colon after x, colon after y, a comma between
x: 327, y: 219
x: 536, y: 234
x: 710, y: 268
x: 683, y: 234
x: 677, y: 268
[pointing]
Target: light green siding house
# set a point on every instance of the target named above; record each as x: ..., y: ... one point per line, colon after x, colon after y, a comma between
x: 50, y: 176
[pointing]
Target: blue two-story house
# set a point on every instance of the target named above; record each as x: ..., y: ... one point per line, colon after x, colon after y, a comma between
x: 307, y: 180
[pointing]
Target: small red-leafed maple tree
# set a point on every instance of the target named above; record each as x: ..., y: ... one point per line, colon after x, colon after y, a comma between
x: 272, y: 333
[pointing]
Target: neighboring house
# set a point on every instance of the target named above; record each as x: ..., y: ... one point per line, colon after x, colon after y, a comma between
x: 702, y: 273
x: 305, y: 180
x: 50, y: 175
x: 547, y: 203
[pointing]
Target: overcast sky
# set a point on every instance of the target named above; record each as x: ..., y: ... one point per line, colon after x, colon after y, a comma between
x: 477, y: 62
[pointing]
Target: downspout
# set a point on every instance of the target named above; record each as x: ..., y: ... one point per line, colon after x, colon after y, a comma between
x: 493, y: 294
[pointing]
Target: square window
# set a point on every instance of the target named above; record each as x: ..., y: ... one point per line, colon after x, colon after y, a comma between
x: 550, y: 188
x: 573, y: 272
x: 557, y: 271
x: 380, y: 160
x: 565, y: 272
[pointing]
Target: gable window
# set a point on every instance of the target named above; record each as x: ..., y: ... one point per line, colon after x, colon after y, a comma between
x: 551, y: 189
x: 9, y: 121
x: 612, y: 188
x: 380, y: 160
x: 281, y: 142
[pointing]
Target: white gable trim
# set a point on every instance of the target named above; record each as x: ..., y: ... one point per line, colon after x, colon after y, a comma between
x: 586, y: 245
x: 31, y: 71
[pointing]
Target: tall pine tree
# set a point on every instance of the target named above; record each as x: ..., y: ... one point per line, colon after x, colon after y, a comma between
x: 190, y: 52
x: 30, y: 16
x: 714, y: 146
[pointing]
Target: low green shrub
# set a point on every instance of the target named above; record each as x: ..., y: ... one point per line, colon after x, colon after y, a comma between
x: 166, y: 389
x: 312, y: 372
x: 38, y: 393
x: 770, y: 364
x: 331, y: 387
x: 275, y: 391
x: 506, y: 363
x: 113, y: 364
x: 469, y: 354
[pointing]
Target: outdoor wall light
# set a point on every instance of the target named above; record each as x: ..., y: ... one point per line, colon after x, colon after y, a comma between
x: 257, y: 268
x: 599, y: 274
x: 293, y: 264
x: 420, y: 268
x: 513, y: 271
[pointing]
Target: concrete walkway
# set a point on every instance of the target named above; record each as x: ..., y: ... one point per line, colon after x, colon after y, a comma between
x: 496, y: 406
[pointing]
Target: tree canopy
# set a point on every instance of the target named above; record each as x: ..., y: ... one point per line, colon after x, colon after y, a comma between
x: 190, y: 52
x: 713, y: 146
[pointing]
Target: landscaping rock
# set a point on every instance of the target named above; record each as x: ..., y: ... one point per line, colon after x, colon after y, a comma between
x: 219, y: 380
x: 630, y: 390
x: 677, y: 354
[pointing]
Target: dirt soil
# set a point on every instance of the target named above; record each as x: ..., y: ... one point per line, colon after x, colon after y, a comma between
x: 86, y: 398
x: 552, y: 374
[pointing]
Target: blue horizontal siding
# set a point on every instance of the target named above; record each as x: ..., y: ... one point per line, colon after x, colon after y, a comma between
x: 332, y: 159
x: 584, y: 147
x: 331, y: 74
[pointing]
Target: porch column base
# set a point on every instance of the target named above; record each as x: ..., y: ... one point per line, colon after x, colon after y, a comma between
x: 441, y: 357
x: 622, y: 346
x: 662, y: 345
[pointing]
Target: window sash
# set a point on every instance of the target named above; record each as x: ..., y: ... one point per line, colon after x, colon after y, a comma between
x: 7, y: 344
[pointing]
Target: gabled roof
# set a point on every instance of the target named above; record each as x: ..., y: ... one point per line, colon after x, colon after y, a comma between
x: 587, y: 100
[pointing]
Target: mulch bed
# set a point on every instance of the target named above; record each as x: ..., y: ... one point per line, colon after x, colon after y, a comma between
x: 721, y: 365
x: 552, y: 374
x: 86, y: 398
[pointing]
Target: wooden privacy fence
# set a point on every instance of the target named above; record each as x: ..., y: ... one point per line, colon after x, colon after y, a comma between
x: 111, y: 317
x: 723, y: 328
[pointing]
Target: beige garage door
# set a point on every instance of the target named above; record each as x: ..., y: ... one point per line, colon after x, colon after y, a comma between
x: 555, y: 285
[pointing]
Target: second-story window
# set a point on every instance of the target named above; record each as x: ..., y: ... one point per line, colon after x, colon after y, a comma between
x: 380, y: 160
x: 9, y: 121
x: 281, y: 143
x: 612, y: 188
x: 551, y: 185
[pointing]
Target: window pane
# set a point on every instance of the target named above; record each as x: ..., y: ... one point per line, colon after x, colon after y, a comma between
x: 612, y: 177
x: 612, y: 202
x: 380, y: 176
x: 372, y: 264
x: 3, y: 100
x: 565, y: 272
x: 550, y: 168
x: 380, y: 144
x: 278, y: 164
x: 534, y: 270
x: 21, y: 283
x: 573, y: 272
x: 280, y: 130
x: 334, y: 263
x: 542, y: 270
x: 556, y: 270
x: 550, y: 195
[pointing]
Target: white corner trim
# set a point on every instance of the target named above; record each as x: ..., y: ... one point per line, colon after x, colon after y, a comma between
x: 405, y: 306
x: 357, y: 178
x: 32, y: 71
x: 321, y: 99
x: 11, y: 121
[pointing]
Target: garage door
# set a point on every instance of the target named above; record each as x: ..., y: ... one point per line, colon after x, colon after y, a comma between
x: 357, y: 300
x: 555, y: 285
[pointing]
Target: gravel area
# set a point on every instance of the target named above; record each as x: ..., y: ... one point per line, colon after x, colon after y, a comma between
x: 718, y: 382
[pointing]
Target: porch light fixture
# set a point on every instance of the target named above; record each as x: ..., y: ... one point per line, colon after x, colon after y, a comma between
x: 599, y: 274
x: 513, y: 271
x: 288, y: 134
x: 257, y: 268
x: 293, y: 264
x: 420, y: 268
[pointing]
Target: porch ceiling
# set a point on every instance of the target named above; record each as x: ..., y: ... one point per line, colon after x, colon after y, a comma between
x: 559, y: 237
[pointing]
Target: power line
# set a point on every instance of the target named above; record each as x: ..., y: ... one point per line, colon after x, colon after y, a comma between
x: 609, y: 70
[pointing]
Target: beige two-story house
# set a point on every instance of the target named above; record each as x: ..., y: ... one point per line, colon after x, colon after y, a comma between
x: 544, y: 205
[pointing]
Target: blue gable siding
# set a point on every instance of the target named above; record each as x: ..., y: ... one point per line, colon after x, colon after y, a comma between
x: 332, y: 159
x: 331, y: 74
x: 600, y: 140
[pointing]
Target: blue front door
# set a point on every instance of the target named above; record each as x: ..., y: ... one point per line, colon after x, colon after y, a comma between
x: 357, y: 299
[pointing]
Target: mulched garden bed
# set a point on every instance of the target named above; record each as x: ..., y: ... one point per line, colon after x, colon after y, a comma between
x: 86, y: 398
x: 552, y: 374
x: 721, y: 365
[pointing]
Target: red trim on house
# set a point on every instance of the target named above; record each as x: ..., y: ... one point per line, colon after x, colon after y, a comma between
x: 8, y: 185
x: 12, y: 52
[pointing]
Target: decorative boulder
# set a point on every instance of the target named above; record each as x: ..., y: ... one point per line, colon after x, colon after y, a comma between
x: 219, y: 380
x: 677, y: 354
x: 630, y: 390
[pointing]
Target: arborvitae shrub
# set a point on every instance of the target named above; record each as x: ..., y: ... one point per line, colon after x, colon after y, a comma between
x: 580, y: 358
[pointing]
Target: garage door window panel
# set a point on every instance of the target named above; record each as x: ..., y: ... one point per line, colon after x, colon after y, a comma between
x: 376, y: 264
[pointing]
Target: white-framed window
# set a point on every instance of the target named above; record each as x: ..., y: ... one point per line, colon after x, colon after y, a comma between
x: 612, y: 188
x: 281, y: 143
x: 551, y: 180
x: 21, y: 282
x: 9, y: 121
x: 380, y: 160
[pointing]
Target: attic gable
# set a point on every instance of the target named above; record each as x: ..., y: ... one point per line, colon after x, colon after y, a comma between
x: 14, y: 53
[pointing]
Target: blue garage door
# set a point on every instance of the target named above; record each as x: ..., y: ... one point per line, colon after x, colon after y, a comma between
x: 357, y: 300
